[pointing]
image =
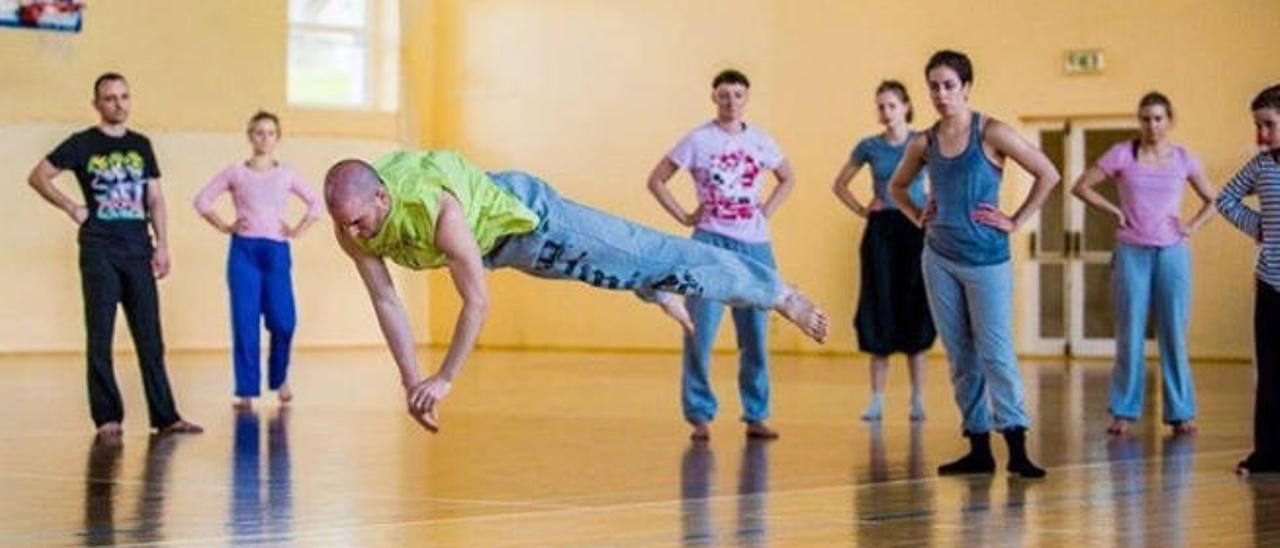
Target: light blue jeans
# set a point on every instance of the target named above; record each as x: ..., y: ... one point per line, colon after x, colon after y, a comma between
x: 751, y: 325
x: 972, y: 308
x: 576, y: 242
x: 1156, y: 279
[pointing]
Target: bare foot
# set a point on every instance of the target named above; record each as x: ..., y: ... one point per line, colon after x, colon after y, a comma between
x: 243, y: 404
x: 110, y: 430
x: 112, y: 443
x: 182, y: 427
x: 1184, y: 428
x: 284, y: 394
x: 674, y: 307
x: 801, y: 311
x: 761, y: 431
x: 1119, y: 426
x: 700, y: 432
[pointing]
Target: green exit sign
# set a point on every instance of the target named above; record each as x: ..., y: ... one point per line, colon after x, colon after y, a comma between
x: 1084, y: 61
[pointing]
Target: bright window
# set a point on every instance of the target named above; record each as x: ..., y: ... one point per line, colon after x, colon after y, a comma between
x: 344, y: 54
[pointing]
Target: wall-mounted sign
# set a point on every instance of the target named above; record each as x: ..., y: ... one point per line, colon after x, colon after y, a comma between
x: 1084, y: 61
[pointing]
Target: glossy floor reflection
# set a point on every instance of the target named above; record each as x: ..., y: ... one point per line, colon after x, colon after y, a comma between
x: 587, y: 449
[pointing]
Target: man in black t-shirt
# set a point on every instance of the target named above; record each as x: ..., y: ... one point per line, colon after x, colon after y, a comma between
x: 119, y: 262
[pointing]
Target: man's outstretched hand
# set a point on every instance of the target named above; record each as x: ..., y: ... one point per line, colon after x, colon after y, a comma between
x: 423, y: 397
x: 428, y: 420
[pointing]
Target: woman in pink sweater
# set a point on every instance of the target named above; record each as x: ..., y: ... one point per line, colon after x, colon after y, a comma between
x: 258, y: 262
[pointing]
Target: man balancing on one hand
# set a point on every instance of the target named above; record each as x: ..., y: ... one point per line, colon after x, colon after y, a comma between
x: 427, y: 209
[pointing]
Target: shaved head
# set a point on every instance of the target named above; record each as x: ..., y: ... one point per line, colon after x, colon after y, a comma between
x: 358, y: 201
x: 350, y: 180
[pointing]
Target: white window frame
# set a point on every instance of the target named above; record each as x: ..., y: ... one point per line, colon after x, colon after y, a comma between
x: 380, y: 37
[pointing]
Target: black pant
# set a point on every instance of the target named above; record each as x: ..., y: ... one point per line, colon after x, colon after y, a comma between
x: 1266, y: 403
x: 893, y: 308
x: 109, y: 277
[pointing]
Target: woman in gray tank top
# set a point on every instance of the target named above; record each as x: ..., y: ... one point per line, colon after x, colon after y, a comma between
x: 966, y: 264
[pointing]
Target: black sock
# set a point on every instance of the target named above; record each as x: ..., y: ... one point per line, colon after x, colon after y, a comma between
x: 977, y: 461
x: 1019, y: 463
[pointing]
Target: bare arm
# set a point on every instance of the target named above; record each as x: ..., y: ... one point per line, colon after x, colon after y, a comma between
x: 1083, y: 189
x: 1007, y: 142
x: 386, y: 306
x: 41, y: 180
x: 1204, y: 189
x: 841, y: 188
x: 900, y: 184
x: 455, y: 239
x: 658, y: 187
x: 160, y: 227
x: 786, y: 183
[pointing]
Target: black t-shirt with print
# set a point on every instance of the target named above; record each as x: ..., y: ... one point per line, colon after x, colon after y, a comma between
x: 113, y: 173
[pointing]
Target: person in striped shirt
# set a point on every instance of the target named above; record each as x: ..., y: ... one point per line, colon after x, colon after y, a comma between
x: 1261, y: 177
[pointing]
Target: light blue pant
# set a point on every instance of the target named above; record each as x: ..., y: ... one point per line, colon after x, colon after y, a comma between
x: 972, y: 308
x: 573, y: 241
x: 753, y: 356
x: 1158, y: 279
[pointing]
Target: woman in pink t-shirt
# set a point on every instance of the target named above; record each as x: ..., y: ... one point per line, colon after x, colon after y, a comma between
x: 259, y: 262
x: 1150, y: 266
x: 728, y: 161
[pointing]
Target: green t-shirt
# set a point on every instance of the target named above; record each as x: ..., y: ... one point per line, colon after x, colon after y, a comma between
x: 415, y: 180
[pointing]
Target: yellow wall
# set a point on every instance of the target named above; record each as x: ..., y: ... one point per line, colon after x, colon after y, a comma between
x: 198, y: 70
x: 591, y: 94
x: 193, y: 66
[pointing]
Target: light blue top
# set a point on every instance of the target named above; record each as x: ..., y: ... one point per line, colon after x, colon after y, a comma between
x: 884, y: 159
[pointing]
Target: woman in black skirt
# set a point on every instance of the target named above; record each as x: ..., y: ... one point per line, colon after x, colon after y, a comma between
x: 893, y: 313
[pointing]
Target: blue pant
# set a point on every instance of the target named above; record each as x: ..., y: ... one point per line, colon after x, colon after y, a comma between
x: 1157, y: 279
x: 753, y: 358
x: 972, y: 308
x: 576, y: 242
x: 261, y: 288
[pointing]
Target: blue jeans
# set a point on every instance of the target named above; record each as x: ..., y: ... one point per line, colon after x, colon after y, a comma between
x: 576, y: 242
x: 258, y: 275
x: 972, y: 308
x: 753, y: 358
x: 1157, y: 279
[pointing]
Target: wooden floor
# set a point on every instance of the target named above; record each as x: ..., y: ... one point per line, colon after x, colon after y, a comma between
x: 544, y: 449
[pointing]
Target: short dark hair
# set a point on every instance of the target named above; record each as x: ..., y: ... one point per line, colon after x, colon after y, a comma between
x: 895, y: 87
x: 263, y: 115
x: 1267, y: 98
x: 953, y: 60
x: 730, y: 76
x: 107, y: 77
x: 1155, y: 98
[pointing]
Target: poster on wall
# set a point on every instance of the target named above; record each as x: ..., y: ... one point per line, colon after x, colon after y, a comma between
x: 55, y: 15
